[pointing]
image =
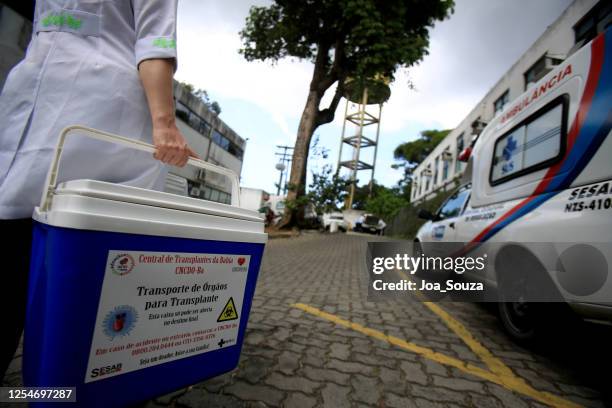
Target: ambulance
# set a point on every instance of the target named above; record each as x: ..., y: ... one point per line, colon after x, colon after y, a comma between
x: 538, y: 191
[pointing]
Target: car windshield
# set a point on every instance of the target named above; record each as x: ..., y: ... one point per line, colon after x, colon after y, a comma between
x: 452, y: 207
x: 336, y: 217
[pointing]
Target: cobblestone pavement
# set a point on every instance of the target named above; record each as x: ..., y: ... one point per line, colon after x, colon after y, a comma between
x: 292, y: 358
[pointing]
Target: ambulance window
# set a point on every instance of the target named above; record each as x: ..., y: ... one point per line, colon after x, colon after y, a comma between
x: 508, y: 154
x: 452, y: 207
x: 543, y: 138
x: 536, y: 143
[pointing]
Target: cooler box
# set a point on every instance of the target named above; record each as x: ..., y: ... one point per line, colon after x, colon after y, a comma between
x: 136, y: 293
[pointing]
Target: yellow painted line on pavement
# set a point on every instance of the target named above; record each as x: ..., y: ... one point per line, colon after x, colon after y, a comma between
x: 494, y: 363
x: 510, y: 382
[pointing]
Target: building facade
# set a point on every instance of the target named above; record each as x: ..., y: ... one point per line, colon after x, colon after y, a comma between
x: 576, y: 26
x: 211, y: 138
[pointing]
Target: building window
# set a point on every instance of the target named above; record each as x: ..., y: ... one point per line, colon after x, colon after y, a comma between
x: 460, y: 147
x: 537, y: 71
x: 227, y: 145
x: 182, y: 112
x: 207, y: 192
x: 593, y: 23
x: 446, y: 159
x: 201, y: 126
x: 535, y: 144
x: 221, y: 140
x: 226, y: 198
x: 212, y: 194
x: 436, y: 167
x: 194, y: 121
x: 500, y: 103
x: 427, y: 174
x: 198, y: 190
x: 540, y: 68
x: 204, y: 128
x: 235, y: 150
x: 421, y: 183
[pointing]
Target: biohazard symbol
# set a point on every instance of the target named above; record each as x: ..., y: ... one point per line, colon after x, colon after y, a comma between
x: 229, y: 312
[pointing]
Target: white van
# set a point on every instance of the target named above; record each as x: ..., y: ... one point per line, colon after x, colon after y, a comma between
x: 541, y: 172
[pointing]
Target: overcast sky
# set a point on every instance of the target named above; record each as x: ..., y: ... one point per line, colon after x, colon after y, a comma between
x: 468, y: 53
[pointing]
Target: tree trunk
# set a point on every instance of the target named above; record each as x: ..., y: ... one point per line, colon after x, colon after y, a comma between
x: 297, y: 179
x: 312, y: 118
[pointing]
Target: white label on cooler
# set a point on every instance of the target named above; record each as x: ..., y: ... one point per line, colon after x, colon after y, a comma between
x: 157, y: 307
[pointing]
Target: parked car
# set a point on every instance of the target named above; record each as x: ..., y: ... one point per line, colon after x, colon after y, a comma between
x: 371, y: 224
x: 334, y: 220
x: 539, y: 173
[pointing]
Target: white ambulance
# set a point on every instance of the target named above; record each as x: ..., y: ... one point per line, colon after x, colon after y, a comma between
x: 541, y: 172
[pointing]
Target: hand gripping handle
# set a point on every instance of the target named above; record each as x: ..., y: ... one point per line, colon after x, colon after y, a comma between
x: 51, y: 182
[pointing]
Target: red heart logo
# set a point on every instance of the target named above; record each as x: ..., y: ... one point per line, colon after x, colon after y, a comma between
x: 241, y: 261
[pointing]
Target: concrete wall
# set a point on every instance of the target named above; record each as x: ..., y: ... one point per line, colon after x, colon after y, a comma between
x: 557, y: 41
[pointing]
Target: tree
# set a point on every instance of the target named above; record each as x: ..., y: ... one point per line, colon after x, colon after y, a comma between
x: 362, y: 194
x: 327, y: 190
x: 410, y: 154
x: 202, y: 95
x: 386, y: 203
x: 342, y: 38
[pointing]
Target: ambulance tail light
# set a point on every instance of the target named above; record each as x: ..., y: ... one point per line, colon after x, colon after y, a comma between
x: 465, y: 154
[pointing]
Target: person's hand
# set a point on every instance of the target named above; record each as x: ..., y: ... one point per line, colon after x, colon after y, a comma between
x: 171, y: 146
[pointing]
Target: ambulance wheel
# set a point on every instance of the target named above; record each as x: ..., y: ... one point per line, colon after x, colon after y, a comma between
x: 519, y: 320
x: 515, y: 267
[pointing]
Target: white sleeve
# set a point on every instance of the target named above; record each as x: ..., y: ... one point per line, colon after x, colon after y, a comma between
x: 155, y: 24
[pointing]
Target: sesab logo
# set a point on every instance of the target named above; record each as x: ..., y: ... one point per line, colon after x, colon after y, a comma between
x: 106, y: 370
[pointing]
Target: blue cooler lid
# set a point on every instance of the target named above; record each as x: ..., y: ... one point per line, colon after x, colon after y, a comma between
x: 102, y: 206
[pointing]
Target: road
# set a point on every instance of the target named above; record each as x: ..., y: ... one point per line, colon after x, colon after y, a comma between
x: 314, y: 341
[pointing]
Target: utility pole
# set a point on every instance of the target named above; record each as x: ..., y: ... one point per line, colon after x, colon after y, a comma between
x: 282, y: 166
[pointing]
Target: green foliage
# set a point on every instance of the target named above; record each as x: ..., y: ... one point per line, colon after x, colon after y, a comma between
x: 202, y: 95
x: 362, y: 194
x: 410, y: 154
x: 406, y: 223
x: 296, y: 204
x: 327, y: 191
x: 386, y: 203
x: 367, y: 37
x: 416, y: 151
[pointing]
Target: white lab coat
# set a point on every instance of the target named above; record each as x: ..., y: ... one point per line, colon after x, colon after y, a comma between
x: 81, y: 68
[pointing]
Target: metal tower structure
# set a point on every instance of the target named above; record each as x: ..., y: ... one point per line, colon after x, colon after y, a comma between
x: 362, y: 96
x: 282, y: 166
